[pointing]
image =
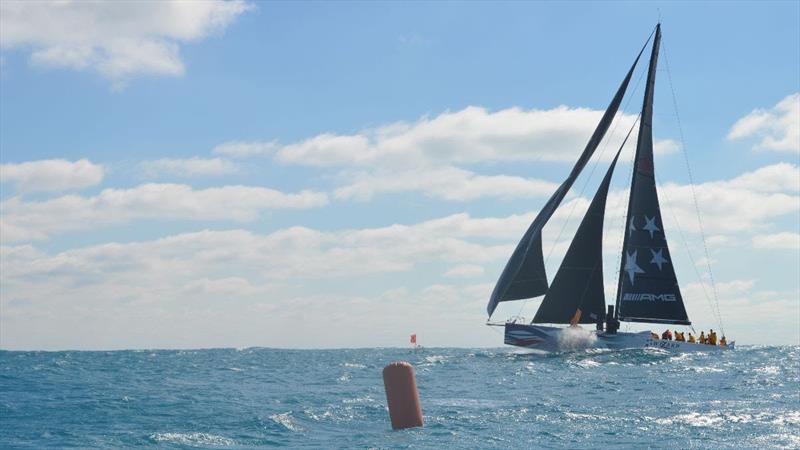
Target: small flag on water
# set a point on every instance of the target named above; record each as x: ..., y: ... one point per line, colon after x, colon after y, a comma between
x: 413, y: 338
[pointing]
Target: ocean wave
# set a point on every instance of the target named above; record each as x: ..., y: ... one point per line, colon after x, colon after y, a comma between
x: 354, y: 365
x: 291, y: 398
x: 285, y: 420
x: 193, y: 439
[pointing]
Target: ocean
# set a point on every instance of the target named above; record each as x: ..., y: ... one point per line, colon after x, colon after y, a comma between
x: 471, y: 398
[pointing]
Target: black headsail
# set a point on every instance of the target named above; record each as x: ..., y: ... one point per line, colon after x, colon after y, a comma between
x: 648, y: 290
x: 578, y: 284
x: 524, y: 275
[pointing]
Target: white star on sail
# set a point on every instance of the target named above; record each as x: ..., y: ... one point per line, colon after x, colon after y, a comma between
x: 658, y: 258
x: 630, y: 265
x: 631, y: 227
x: 651, y: 225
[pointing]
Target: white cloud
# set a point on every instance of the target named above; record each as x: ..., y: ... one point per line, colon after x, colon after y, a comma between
x: 778, y: 128
x: 244, y: 149
x: 191, y: 167
x: 21, y: 220
x: 465, y: 271
x: 294, y: 280
x: 745, y: 203
x: 117, y: 39
x: 449, y: 183
x: 299, y: 278
x: 665, y: 147
x: 750, y: 316
x: 781, y: 177
x: 778, y: 241
x: 424, y: 156
x: 469, y: 136
x: 51, y: 175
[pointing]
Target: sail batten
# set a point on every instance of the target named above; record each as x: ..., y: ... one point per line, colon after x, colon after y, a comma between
x: 648, y: 289
x: 524, y: 275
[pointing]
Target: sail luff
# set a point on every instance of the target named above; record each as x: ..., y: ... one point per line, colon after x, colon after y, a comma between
x: 647, y: 290
x: 524, y: 275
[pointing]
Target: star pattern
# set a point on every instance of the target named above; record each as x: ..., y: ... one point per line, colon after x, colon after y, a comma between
x: 651, y: 225
x: 631, y: 227
x: 658, y: 258
x: 630, y: 265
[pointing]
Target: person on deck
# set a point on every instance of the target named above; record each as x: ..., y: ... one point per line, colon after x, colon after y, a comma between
x: 723, y: 342
x: 702, y: 338
x: 679, y: 336
x: 712, y: 338
x: 691, y: 338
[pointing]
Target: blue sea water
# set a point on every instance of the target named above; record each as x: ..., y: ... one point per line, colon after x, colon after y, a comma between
x: 471, y: 398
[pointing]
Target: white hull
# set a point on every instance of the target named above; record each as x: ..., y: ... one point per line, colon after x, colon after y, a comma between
x: 553, y: 339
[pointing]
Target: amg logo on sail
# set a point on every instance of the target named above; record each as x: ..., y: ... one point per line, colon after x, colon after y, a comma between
x: 644, y: 297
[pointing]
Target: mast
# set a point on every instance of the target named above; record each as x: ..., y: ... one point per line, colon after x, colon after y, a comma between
x: 524, y: 275
x: 648, y: 290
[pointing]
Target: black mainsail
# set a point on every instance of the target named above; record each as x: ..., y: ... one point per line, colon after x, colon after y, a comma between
x: 648, y: 289
x: 578, y: 284
x: 524, y: 275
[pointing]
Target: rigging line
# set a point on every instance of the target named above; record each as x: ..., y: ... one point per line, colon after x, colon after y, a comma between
x: 626, y: 194
x: 714, y: 313
x: 605, y: 145
x: 600, y: 259
x: 694, y: 195
x: 620, y: 112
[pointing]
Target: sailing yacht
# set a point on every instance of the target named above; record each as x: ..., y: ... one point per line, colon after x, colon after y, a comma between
x: 647, y: 290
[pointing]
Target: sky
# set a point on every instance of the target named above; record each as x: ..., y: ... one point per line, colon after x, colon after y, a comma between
x: 345, y: 174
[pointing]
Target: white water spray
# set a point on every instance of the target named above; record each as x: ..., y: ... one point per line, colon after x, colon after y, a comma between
x: 575, y: 338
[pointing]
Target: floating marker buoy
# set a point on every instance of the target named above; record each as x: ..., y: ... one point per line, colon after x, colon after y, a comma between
x: 402, y: 395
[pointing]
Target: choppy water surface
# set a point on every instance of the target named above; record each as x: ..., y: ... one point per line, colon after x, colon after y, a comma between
x: 748, y: 398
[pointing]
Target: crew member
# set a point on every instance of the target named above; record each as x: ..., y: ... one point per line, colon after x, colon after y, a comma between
x: 679, y: 336
x: 723, y: 342
x: 702, y: 338
x: 612, y: 324
x: 691, y: 338
x: 712, y: 337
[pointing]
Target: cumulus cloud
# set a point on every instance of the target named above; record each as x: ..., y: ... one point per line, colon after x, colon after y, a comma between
x: 750, y: 315
x: 243, y: 149
x: 21, y: 220
x: 448, y: 183
x: 777, y: 128
x: 191, y: 167
x: 745, y: 203
x: 51, y: 175
x: 427, y: 156
x: 465, y: 271
x: 778, y: 241
x: 214, y: 278
x: 472, y: 135
x: 230, y: 277
x: 209, y: 278
x: 119, y: 40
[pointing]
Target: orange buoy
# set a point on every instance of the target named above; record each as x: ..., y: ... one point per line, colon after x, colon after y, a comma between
x: 402, y: 395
